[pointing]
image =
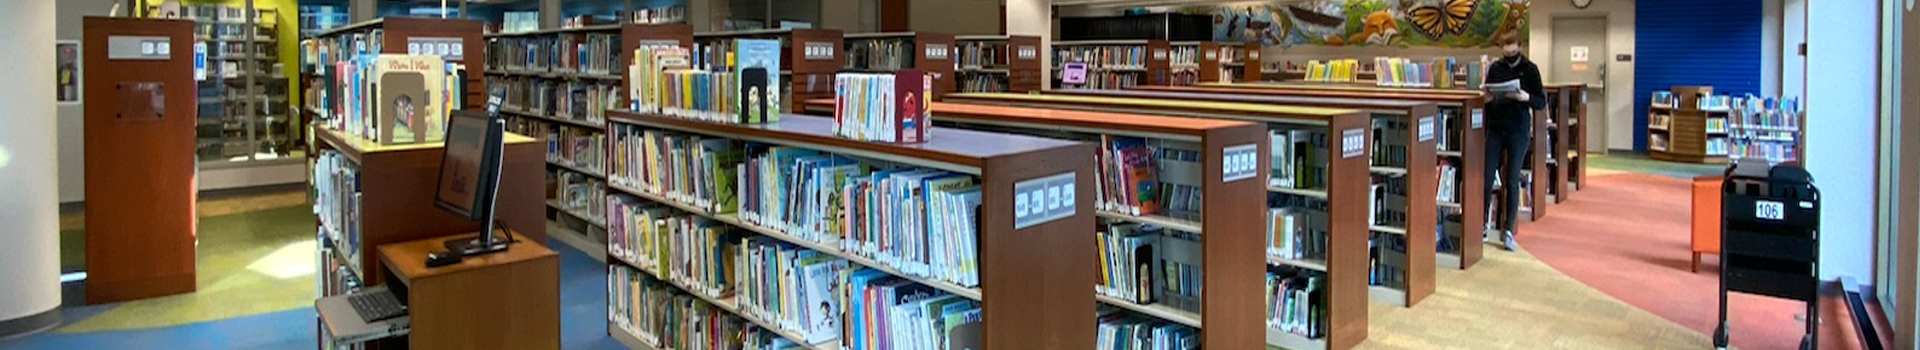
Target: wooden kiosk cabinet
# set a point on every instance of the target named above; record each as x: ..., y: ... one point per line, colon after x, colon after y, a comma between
x: 140, y: 120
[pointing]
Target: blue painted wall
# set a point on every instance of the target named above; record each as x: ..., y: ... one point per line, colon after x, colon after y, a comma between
x: 1696, y: 42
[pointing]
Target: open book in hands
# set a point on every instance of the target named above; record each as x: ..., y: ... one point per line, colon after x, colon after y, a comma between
x: 1501, y: 91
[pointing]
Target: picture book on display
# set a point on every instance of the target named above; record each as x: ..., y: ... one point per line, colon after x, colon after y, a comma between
x: 741, y: 88
x: 758, y: 66
x: 886, y: 107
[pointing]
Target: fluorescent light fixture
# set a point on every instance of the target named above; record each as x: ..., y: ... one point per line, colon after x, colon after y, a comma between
x: 71, y: 277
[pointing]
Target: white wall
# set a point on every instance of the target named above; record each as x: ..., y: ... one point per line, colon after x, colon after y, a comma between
x: 1793, y: 65
x: 1841, y: 123
x: 1771, y: 34
x: 1618, y: 108
x: 72, y: 135
x: 1035, y: 18
x: 29, y: 206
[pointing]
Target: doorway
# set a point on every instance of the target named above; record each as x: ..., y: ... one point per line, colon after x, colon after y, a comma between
x: 1580, y: 56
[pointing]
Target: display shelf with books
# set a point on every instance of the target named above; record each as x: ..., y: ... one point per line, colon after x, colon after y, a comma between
x: 930, y: 53
x: 1434, y: 73
x: 1767, y: 129
x: 1116, y: 64
x: 1020, y: 263
x: 1566, y: 129
x: 1689, y: 124
x: 1459, y: 148
x: 1185, y: 164
x: 366, y: 195
x: 1401, y: 195
x: 324, y: 52
x: 997, y: 63
x: 244, y: 116
x: 811, y: 58
x: 1184, y: 63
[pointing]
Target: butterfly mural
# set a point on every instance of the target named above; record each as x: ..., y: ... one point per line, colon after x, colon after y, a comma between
x: 1439, y: 23
x: 1449, y: 17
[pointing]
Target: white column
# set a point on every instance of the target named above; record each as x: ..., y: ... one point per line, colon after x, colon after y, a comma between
x: 1035, y: 18
x: 1841, y: 123
x: 29, y: 203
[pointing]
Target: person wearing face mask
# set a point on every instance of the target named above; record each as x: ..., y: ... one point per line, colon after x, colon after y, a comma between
x: 1509, y: 120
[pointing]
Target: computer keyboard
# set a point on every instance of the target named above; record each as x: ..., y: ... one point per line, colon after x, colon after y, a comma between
x: 377, y: 306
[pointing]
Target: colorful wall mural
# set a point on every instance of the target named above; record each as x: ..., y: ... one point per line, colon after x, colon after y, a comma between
x: 1401, y: 23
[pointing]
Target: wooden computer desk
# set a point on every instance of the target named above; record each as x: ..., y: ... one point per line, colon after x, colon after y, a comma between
x: 505, y: 300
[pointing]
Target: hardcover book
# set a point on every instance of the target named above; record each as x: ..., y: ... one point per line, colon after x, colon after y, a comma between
x: 762, y: 56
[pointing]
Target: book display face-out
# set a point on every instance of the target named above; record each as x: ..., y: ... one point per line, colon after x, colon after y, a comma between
x: 811, y: 57
x: 1459, y: 148
x: 997, y: 63
x: 1315, y: 236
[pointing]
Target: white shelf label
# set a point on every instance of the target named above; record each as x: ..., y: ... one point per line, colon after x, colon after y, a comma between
x: 1042, y: 200
x: 1160, y: 55
x: 1426, y: 129
x: 1239, y: 162
x: 1769, y: 210
x: 1353, y: 143
x: 1479, y: 118
x: 936, y: 51
x: 1027, y: 52
x: 819, y: 51
x: 1213, y: 55
x: 432, y: 46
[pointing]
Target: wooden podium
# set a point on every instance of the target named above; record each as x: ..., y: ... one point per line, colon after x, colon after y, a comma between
x: 140, y: 118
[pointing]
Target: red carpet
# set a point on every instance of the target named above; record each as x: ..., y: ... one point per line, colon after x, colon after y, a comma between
x: 1628, y: 236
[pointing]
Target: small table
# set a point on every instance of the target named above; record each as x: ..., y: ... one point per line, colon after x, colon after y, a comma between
x: 503, y: 300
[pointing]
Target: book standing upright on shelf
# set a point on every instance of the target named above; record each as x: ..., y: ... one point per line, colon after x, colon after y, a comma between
x: 758, y: 68
x: 409, y: 103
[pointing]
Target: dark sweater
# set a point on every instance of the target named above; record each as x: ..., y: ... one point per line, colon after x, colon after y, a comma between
x: 1505, y: 115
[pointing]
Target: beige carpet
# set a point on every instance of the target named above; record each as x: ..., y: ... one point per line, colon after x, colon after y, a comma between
x: 1514, y: 301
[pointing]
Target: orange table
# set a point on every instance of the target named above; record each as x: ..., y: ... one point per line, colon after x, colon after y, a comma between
x: 1706, y: 217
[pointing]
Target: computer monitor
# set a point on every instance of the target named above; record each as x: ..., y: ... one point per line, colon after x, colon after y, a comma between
x: 470, y: 177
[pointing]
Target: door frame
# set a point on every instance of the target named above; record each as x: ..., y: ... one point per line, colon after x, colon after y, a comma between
x: 1605, y: 59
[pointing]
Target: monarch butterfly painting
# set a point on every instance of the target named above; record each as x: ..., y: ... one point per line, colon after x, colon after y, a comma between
x: 1449, y: 17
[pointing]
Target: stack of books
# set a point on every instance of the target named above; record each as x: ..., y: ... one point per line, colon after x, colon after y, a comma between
x: 1297, y: 302
x: 883, y: 107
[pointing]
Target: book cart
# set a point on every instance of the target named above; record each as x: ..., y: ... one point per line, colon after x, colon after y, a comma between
x: 932, y: 53
x: 1228, y: 244
x: 813, y: 57
x: 1566, y: 109
x: 1402, y: 267
x: 997, y: 63
x: 1465, y: 148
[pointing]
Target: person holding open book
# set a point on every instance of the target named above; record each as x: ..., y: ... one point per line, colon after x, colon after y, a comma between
x: 1513, y: 94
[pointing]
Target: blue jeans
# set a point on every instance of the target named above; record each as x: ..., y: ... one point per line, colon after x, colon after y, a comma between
x: 1506, y: 153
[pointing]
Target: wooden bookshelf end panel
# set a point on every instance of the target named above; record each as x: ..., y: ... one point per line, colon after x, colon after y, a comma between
x: 1234, y: 307
x: 1473, y: 199
x: 1036, y: 281
x: 1347, y: 236
x: 1422, y: 182
x: 473, y: 52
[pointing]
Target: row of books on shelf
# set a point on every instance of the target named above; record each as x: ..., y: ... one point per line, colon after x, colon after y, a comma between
x: 1437, y: 73
x: 579, y: 193
x: 519, y: 21
x: 1657, y: 142
x: 1110, y: 80
x: 1297, y: 301
x: 919, y: 221
x: 1141, y: 176
x: 1297, y: 158
x: 1146, y: 264
x: 983, y: 83
x: 880, y: 54
x: 1387, y: 257
x: 391, y: 98
x: 1716, y: 125
x: 981, y: 55
x: 662, y: 316
x: 1449, y: 183
x: 1767, y: 114
x: 883, y: 107
x: 1390, y: 137
x: 1771, y: 152
x: 743, y: 89
x: 588, y: 53
x: 577, y: 147
x: 1296, y: 228
x: 1113, y: 56
x: 1666, y: 99
x: 336, y: 200
x: 812, y: 296
x: 660, y: 15
x: 1718, y: 146
x: 1332, y: 71
x: 1387, y: 202
x: 561, y: 99
x: 1184, y: 56
x: 1119, y: 330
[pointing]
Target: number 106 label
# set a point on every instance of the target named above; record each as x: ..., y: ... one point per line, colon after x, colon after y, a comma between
x: 1769, y: 210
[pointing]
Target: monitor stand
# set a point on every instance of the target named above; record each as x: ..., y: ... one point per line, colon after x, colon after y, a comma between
x: 478, y: 244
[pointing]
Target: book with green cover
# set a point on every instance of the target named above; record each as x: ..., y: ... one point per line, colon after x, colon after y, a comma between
x: 757, y: 60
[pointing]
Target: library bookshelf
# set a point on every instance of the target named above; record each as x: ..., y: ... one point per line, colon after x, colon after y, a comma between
x: 1466, y: 148
x: 557, y: 84
x: 1391, y: 221
x: 1233, y: 261
x: 1680, y: 132
x: 997, y: 63
x: 932, y: 53
x: 1116, y: 64
x: 1455, y: 204
x: 381, y: 194
x: 1224, y: 61
x: 1032, y: 279
x: 1566, y: 127
x: 813, y: 57
x: 393, y: 35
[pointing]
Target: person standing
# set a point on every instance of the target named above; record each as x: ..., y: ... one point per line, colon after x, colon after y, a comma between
x: 1510, y: 131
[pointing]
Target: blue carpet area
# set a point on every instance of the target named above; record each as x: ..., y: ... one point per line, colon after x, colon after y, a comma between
x: 583, y: 322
